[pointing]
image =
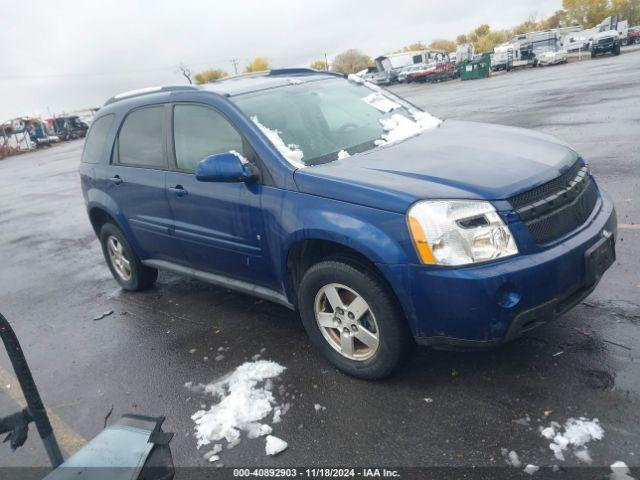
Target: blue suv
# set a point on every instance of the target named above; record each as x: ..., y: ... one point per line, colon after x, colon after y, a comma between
x: 380, y: 224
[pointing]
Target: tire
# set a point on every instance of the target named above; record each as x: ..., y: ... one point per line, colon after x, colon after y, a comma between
x: 139, y: 277
x: 382, y: 319
x: 593, y: 54
x: 616, y: 50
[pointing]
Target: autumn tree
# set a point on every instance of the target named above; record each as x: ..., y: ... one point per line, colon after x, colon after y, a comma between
x: 558, y: 19
x: 351, y: 61
x: 445, y: 45
x: 484, y: 40
x: 207, y: 76
x: 414, y: 47
x: 319, y: 65
x: 587, y: 13
x: 627, y: 10
x: 258, y: 64
x: 460, y: 39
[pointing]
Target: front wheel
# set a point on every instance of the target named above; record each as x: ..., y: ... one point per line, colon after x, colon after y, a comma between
x: 123, y: 262
x: 352, y: 317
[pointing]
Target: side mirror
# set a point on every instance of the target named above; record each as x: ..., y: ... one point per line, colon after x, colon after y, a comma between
x: 225, y: 167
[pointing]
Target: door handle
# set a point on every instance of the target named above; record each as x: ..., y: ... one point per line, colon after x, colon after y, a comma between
x: 116, y: 179
x: 178, y: 190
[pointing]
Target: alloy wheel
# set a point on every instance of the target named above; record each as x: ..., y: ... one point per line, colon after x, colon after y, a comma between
x: 346, y: 322
x: 118, y: 257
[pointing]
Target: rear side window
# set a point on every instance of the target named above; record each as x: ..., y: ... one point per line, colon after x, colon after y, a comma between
x: 199, y: 132
x: 140, y: 140
x: 96, y: 139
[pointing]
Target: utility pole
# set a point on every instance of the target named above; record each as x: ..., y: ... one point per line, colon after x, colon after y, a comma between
x: 235, y: 65
x: 326, y: 63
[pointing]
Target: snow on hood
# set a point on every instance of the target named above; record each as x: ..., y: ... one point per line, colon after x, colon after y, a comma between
x: 245, y: 400
x: 291, y: 152
x: 342, y: 154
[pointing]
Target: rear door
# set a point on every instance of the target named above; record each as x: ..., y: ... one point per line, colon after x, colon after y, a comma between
x: 136, y: 181
x: 220, y: 225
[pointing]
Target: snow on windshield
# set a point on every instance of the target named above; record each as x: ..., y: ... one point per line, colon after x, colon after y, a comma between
x: 379, y: 101
x: 327, y: 120
x: 291, y: 152
x: 398, y: 127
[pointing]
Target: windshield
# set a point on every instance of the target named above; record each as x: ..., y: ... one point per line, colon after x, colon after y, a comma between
x: 323, y: 120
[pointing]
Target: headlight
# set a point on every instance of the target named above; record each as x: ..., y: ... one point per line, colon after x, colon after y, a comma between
x: 458, y: 232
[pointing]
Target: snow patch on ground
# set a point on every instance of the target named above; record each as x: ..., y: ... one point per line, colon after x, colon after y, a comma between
x: 511, y: 458
x: 342, y: 154
x: 245, y: 399
x: 291, y: 152
x: 620, y: 471
x: 531, y: 469
x: 318, y: 407
x: 275, y: 445
x: 577, y: 434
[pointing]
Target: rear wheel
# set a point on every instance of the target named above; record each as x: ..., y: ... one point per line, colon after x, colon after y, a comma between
x: 352, y: 317
x: 123, y: 262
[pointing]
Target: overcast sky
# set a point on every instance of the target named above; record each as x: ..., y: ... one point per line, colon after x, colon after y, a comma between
x: 59, y: 56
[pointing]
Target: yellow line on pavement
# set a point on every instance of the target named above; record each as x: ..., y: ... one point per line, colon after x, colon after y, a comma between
x: 628, y: 226
x: 68, y: 438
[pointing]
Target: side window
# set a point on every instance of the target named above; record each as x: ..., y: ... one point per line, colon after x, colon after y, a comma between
x: 96, y: 139
x: 140, y: 140
x: 200, y: 131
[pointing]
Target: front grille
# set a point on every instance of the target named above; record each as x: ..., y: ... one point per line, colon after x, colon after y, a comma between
x: 605, y: 41
x: 559, y: 206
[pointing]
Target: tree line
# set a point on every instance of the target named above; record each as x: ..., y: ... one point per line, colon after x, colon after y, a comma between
x: 586, y: 13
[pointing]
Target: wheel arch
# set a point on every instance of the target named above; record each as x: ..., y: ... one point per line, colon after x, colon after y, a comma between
x: 306, y: 252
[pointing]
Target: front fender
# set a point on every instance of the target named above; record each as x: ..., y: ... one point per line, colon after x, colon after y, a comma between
x: 379, y: 235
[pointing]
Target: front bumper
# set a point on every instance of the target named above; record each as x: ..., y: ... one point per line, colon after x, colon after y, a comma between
x: 603, y: 47
x: 492, y: 303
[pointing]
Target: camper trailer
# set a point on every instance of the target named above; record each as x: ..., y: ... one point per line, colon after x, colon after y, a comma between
x: 507, y: 56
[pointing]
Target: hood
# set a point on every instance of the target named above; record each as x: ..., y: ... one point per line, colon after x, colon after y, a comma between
x: 458, y: 159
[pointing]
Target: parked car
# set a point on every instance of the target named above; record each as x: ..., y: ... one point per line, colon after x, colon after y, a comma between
x: 70, y: 128
x: 551, y: 57
x: 405, y: 74
x: 385, y: 77
x: 380, y: 224
x: 633, y: 35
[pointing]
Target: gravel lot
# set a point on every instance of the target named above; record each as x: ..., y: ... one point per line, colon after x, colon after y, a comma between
x: 53, y: 282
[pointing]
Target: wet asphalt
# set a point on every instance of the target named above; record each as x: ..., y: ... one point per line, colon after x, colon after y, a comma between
x: 53, y: 282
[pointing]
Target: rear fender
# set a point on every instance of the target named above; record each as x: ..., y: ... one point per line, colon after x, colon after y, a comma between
x: 98, y: 199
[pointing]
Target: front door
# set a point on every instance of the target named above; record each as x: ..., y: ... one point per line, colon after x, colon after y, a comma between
x: 220, y: 225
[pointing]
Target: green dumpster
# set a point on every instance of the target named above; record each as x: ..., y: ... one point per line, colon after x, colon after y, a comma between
x: 472, y: 69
